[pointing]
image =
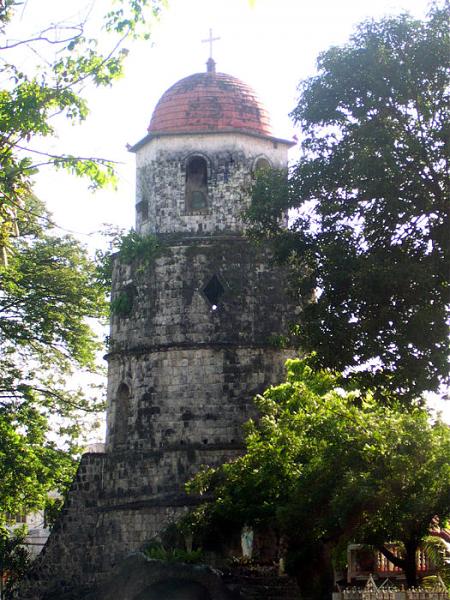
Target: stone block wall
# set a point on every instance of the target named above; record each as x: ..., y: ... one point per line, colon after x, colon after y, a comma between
x: 231, y: 160
x: 66, y: 559
x: 191, y: 371
x: 191, y: 368
x: 117, y: 502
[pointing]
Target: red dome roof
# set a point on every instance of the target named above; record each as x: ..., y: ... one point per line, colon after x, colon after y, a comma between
x: 207, y: 102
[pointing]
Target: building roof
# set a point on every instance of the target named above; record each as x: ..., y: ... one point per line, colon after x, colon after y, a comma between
x: 209, y: 102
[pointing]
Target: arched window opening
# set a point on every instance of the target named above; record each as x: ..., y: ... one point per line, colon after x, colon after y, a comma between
x: 261, y: 165
x: 122, y: 414
x: 196, y: 184
x: 142, y: 210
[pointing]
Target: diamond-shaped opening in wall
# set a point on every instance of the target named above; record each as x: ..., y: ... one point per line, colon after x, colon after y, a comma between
x: 213, y: 291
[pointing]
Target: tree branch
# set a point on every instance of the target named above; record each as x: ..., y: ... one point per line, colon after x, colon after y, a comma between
x: 395, y: 560
x: 43, y: 38
x: 92, y: 158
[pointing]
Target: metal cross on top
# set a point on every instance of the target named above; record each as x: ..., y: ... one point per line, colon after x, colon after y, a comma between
x: 211, y: 39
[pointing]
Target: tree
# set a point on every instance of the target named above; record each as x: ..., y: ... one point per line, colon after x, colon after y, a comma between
x: 327, y: 466
x: 48, y: 290
x: 369, y: 244
x: 49, y: 287
x: 14, y: 559
x: 31, y: 102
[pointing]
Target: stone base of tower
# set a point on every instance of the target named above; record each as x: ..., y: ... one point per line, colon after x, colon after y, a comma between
x: 117, y: 502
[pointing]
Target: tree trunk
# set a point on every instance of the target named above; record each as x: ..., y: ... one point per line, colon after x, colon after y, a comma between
x: 314, y: 573
x: 407, y: 564
x: 410, y: 563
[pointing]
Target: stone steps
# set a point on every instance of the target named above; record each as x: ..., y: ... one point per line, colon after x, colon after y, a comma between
x: 262, y: 583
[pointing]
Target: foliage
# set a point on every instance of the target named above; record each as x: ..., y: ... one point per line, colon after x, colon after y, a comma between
x: 437, y: 551
x: 133, y: 246
x: 30, y: 102
x: 369, y: 239
x: 49, y: 287
x: 52, y: 510
x: 48, y: 290
x: 327, y: 466
x: 170, y: 544
x: 126, y: 248
x: 14, y: 559
x: 159, y: 552
x: 122, y: 304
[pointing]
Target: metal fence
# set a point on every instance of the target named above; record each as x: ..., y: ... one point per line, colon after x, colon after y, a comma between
x: 386, y: 591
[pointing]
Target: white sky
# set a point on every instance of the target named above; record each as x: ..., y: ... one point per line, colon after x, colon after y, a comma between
x: 270, y: 44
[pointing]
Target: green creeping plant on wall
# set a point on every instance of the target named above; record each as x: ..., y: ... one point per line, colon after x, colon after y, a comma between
x: 133, y: 246
x: 122, y: 305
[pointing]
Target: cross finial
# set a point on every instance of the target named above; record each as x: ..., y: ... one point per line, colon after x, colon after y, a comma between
x: 211, y: 39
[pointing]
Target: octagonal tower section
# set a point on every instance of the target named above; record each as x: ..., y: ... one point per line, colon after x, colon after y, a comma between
x: 199, y: 340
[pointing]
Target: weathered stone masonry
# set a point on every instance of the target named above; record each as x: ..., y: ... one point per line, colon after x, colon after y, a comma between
x: 180, y: 358
x: 231, y: 159
x: 195, y: 344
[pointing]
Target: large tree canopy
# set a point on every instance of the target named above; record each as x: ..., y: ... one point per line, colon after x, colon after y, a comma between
x: 369, y: 241
x: 327, y: 466
x: 49, y: 287
x: 31, y: 101
x: 48, y: 290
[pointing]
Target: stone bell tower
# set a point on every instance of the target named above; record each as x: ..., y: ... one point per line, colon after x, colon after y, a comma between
x: 196, y: 342
x: 186, y: 361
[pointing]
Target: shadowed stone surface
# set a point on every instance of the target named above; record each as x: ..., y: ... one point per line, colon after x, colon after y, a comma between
x: 139, y: 578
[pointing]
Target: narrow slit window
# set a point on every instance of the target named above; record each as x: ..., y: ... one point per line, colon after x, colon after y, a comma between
x: 142, y: 210
x: 122, y: 414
